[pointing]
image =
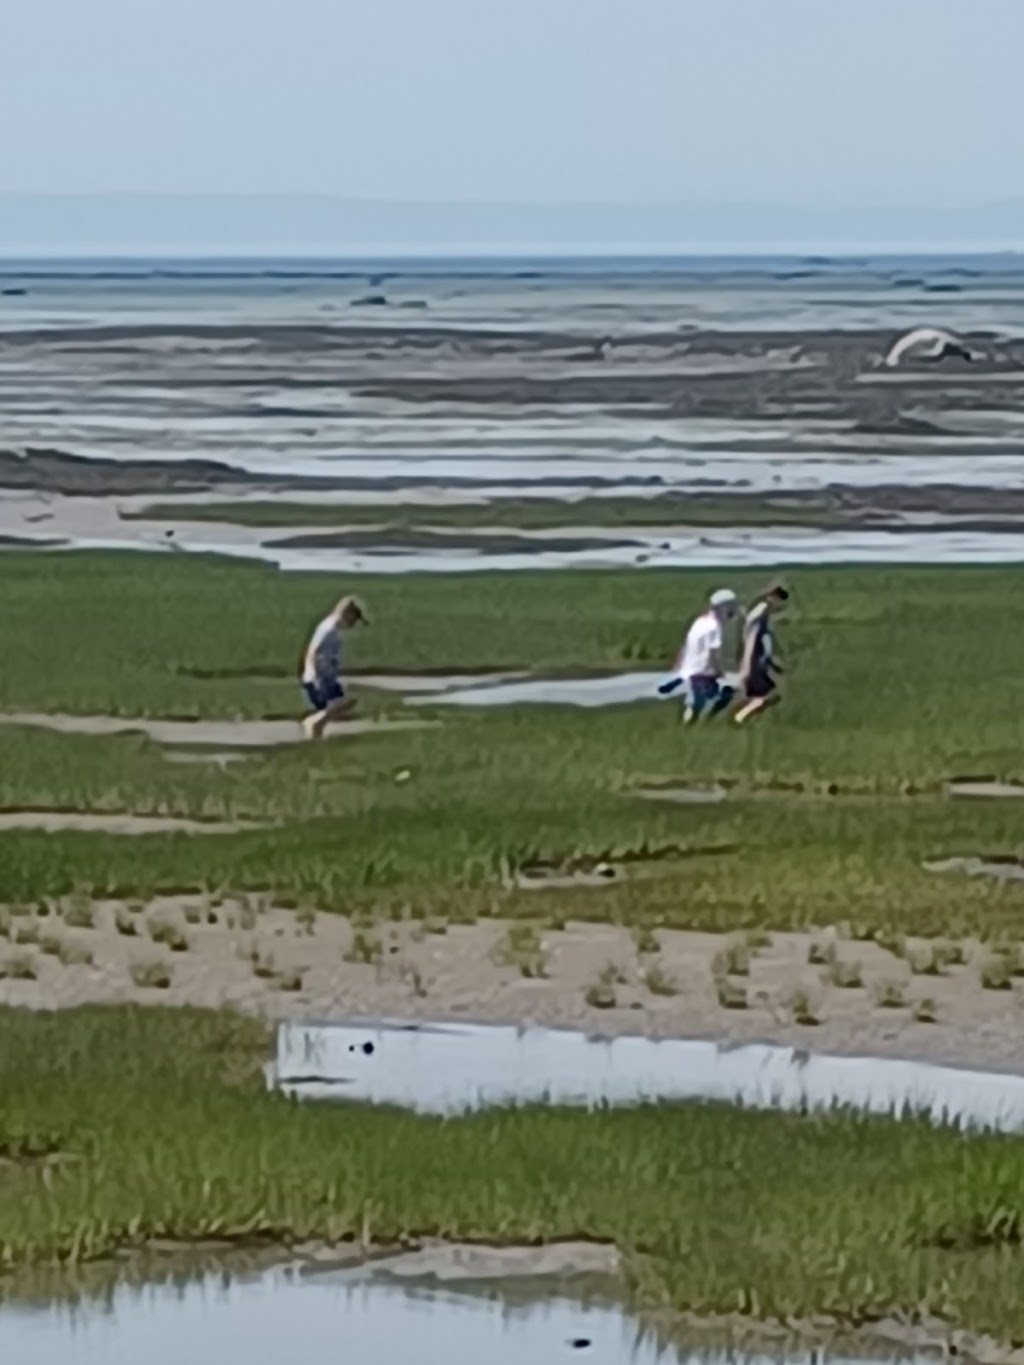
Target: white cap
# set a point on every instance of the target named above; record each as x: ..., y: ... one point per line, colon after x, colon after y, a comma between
x: 723, y: 597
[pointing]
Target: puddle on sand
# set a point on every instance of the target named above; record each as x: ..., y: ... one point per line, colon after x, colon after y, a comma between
x: 613, y: 691
x: 98, y: 822
x: 682, y: 796
x: 1005, y: 869
x: 362, y: 1317
x: 375, y: 1314
x: 550, y: 876
x: 984, y: 788
x: 222, y: 734
x: 450, y: 1068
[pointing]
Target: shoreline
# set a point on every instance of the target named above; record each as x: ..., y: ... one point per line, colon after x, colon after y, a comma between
x: 304, y: 967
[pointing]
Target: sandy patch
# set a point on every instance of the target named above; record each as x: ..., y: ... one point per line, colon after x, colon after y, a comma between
x: 52, y: 821
x: 1005, y: 869
x: 682, y: 796
x: 287, y: 965
x: 223, y: 734
x: 462, y: 1263
x: 209, y: 757
x: 984, y: 789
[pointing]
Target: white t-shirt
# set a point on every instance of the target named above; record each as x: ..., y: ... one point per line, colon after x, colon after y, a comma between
x: 323, y: 658
x: 702, y: 639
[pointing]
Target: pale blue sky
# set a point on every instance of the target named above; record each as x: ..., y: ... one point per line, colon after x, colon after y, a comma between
x: 809, y: 101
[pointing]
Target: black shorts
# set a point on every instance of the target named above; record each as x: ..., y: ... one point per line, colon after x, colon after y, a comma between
x: 760, y: 684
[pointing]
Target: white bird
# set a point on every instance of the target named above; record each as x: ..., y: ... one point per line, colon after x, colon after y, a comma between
x: 928, y: 343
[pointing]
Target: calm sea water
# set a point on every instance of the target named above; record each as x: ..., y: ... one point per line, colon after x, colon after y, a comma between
x: 707, y: 291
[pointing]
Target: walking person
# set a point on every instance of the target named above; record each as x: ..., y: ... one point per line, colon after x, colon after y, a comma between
x: 760, y: 666
x: 321, y: 668
x: 700, y: 666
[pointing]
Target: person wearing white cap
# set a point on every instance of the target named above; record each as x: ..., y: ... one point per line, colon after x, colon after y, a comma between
x: 699, y: 665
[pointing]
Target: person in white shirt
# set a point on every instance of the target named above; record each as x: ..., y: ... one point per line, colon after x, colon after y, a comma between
x: 700, y: 667
x: 321, y: 668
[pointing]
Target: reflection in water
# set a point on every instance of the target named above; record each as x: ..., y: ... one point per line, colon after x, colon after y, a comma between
x: 353, y: 1316
x: 283, y: 1317
x: 455, y: 1067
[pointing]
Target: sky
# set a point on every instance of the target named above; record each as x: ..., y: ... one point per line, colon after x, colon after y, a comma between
x: 832, y: 106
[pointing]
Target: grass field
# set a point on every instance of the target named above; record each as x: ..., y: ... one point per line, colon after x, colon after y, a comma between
x: 837, y: 800
x: 118, y: 1126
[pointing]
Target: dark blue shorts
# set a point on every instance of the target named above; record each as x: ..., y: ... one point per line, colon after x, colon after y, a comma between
x: 760, y: 683
x: 321, y: 694
x: 702, y: 692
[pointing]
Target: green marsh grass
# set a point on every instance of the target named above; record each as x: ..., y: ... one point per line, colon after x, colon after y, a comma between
x: 715, y: 1208
x: 549, y: 782
x: 152, y: 975
x: 658, y: 981
x: 169, y: 934
x: 804, y: 1006
x: 891, y: 995
x: 18, y: 967
x: 522, y: 949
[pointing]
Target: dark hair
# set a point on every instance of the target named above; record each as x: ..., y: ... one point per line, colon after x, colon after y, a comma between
x: 776, y: 590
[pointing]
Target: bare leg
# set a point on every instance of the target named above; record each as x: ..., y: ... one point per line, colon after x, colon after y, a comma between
x: 755, y: 706
x: 315, y: 724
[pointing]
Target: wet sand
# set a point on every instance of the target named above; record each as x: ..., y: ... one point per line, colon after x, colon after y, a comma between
x: 219, y: 734
x: 291, y: 966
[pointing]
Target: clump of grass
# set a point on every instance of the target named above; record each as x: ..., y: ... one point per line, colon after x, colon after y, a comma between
x: 289, y: 981
x: 731, y: 995
x: 845, y: 975
x: 435, y: 925
x: 305, y: 918
x: 645, y: 940
x: 25, y: 935
x: 600, y: 995
x: 821, y: 952
x: 414, y: 977
x: 125, y: 924
x: 193, y: 914
x: 522, y: 949
x: 892, y: 941
x: 5, y: 924
x: 211, y: 917
x: 365, y: 948
x: 18, y: 967
x: 1011, y: 953
x: 659, y: 982
x: 926, y: 1011
x: 996, y: 974
x: 79, y: 912
x: 934, y: 959
x: 757, y: 940
x: 75, y: 954
x: 51, y: 945
x: 803, y: 1007
x: 263, y: 965
x: 167, y: 933
x: 732, y: 960
x: 156, y: 976
x: 891, y: 995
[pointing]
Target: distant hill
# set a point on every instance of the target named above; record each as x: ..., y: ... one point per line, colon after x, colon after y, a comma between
x: 255, y: 224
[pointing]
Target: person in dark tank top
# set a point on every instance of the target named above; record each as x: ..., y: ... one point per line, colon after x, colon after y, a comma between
x: 760, y: 666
